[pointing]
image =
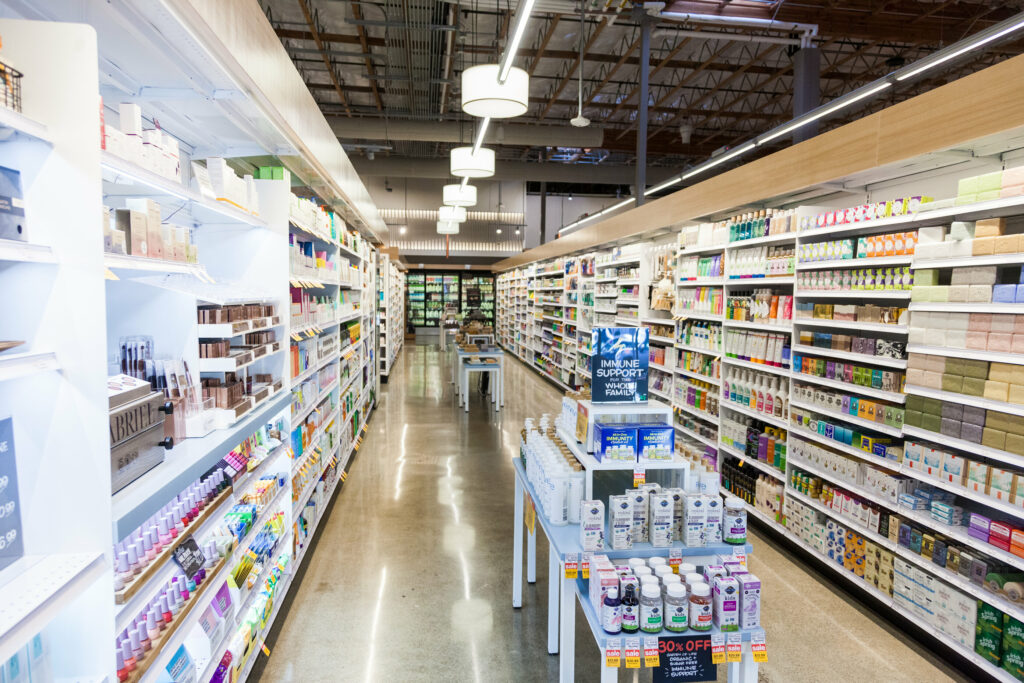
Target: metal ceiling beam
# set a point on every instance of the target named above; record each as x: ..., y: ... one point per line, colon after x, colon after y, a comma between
x: 453, y: 132
x: 539, y: 52
x: 572, y: 70
x: 596, y: 90
x: 358, y: 13
x: 658, y: 67
x: 317, y: 38
x: 404, y: 167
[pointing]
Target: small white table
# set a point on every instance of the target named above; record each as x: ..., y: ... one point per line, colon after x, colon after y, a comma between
x: 462, y: 367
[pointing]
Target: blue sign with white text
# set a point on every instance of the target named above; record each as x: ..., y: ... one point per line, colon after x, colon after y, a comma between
x: 12, y: 546
x: 619, y: 372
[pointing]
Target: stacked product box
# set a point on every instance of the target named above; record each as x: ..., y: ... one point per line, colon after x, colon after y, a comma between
x: 989, y: 428
x: 632, y: 441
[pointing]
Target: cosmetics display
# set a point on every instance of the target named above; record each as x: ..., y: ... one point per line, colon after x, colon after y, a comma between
x: 762, y: 306
x: 841, y: 404
x: 703, y: 300
x: 884, y: 349
x: 887, y: 208
x: 758, y: 224
x: 968, y: 423
x: 840, y: 313
x: 762, y: 348
x: 704, y: 236
x: 701, y: 335
x: 697, y: 267
x: 755, y: 439
x: 152, y: 149
x: 851, y: 373
x: 700, y: 397
x: 856, y: 280
x: 139, y: 231
x: 703, y: 364
x: 767, y: 395
x: 868, y: 246
x: 760, y: 262
x: 1006, y: 183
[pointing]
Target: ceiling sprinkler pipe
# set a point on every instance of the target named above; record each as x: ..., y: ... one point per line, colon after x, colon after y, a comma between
x: 807, y: 31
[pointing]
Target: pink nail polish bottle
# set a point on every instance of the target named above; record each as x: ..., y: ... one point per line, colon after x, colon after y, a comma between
x: 133, y: 560
x: 149, y: 552
x: 136, y: 644
x: 162, y: 531
x: 124, y: 573
x: 165, y: 610
x: 152, y: 626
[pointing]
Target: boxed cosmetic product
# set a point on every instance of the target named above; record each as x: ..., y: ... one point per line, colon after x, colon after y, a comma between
x: 135, y: 226
x: 592, y: 525
x: 726, y: 593
x: 620, y: 522
x: 640, y: 498
x: 694, y: 520
x: 12, y: 206
x: 137, y: 440
x: 713, y: 524
x: 662, y: 512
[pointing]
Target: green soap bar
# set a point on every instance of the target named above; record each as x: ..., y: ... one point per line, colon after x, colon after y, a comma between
x: 932, y: 406
x: 967, y: 185
x: 987, y: 182
x: 933, y: 423
x: 915, y: 402
x: 972, y: 386
x: 927, y: 278
x: 993, y: 438
x: 954, y: 366
x: 975, y: 368
x: 952, y: 383
x: 1014, y: 444
x: 912, y: 418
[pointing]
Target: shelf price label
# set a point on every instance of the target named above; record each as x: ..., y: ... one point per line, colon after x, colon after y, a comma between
x: 571, y: 565
x: 585, y: 565
x: 718, y: 648
x: 639, y: 476
x: 632, y: 653
x: 675, y: 558
x: 613, y: 653
x: 740, y: 555
x: 759, y: 647
x: 733, y: 647
x: 651, y: 659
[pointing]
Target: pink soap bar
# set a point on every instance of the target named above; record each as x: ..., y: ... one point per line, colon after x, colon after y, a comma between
x: 999, y: 341
x: 1011, y: 191
x: 1002, y: 322
x: 932, y: 380
x: 978, y: 340
x: 1017, y: 345
x: 1013, y: 176
x: 979, y: 322
x: 1018, y: 323
x: 915, y: 376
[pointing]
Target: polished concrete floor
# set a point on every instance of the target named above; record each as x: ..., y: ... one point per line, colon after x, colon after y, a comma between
x: 410, y: 579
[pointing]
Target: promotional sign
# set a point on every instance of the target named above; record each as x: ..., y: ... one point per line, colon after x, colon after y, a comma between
x: 619, y: 365
x: 685, y: 659
x: 189, y: 557
x: 12, y: 547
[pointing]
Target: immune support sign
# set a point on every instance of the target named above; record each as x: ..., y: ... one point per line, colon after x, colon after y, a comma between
x: 620, y: 365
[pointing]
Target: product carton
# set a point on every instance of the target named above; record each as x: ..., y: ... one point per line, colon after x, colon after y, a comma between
x: 713, y: 524
x: 694, y: 519
x: 620, y: 522
x: 592, y: 525
x: 678, y: 501
x: 614, y: 441
x: 662, y: 508
x: 641, y: 515
x: 726, y: 594
x: 750, y: 601
x: 135, y: 226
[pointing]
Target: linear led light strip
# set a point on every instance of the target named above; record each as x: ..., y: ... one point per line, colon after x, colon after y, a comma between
x: 994, y: 33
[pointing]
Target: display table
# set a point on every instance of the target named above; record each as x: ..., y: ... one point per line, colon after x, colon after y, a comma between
x: 564, y: 546
x: 462, y: 366
x: 480, y: 339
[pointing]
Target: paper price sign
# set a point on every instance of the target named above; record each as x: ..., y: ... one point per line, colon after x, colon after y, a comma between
x: 571, y: 565
x: 718, y: 648
x: 675, y: 558
x: 759, y: 647
x: 639, y: 476
x: 651, y: 660
x: 632, y: 653
x: 613, y: 653
x: 733, y: 647
x: 585, y: 566
x: 740, y: 556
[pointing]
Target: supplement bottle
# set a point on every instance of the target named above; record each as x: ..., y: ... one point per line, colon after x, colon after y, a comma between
x: 630, y: 610
x: 611, y: 612
x: 734, y: 525
x: 650, y: 608
x: 693, y: 579
x: 700, y: 607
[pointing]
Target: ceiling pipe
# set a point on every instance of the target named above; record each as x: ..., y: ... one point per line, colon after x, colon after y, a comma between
x: 808, y: 32
x: 405, y: 167
x: 523, y: 134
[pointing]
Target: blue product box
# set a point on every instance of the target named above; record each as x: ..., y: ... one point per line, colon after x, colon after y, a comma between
x: 656, y: 437
x: 854, y: 405
x: 798, y: 363
x: 1020, y: 294
x: 1004, y: 294
x: 847, y: 436
x: 830, y: 430
x: 612, y: 439
x: 904, y: 535
x: 821, y: 427
x: 1021, y: 279
x: 879, y: 449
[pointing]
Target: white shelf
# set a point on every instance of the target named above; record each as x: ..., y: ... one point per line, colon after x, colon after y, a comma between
x: 853, y: 294
x: 993, y: 356
x: 849, y: 355
x: 15, y: 365
x: 236, y: 329
x: 694, y: 435
x: 23, y: 127
x: 767, y: 239
x: 893, y: 396
x: 697, y: 376
x: 744, y: 410
x: 956, y: 262
x: 660, y: 394
x: 808, y: 435
x: 627, y: 301
x: 701, y: 282
x: 232, y: 364
x: 759, y: 367
x: 591, y: 463
x: 36, y: 589
x: 321, y: 396
x: 627, y: 281
x: 627, y: 322
x: 763, y: 466
x: 976, y: 401
x: 700, y: 249
x: 855, y: 262
x: 25, y: 252
x: 749, y: 325
x: 959, y: 444
x: 851, y: 325
x: 661, y: 340
x: 760, y: 281
x: 697, y: 349
x: 687, y: 315
x: 659, y: 366
x: 966, y: 307
x: 619, y: 262
x: 875, y: 426
x: 700, y: 414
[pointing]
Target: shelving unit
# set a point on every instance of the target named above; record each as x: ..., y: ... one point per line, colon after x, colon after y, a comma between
x: 390, y: 312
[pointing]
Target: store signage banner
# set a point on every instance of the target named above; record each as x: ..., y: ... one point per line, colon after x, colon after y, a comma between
x: 619, y: 365
x: 685, y: 658
x: 189, y: 557
x: 12, y: 546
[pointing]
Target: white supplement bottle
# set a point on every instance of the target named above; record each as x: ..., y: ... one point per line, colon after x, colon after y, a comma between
x: 734, y: 525
x: 650, y: 608
x: 677, y: 608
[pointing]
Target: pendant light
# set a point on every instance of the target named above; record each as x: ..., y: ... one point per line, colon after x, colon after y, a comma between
x: 459, y: 195
x: 580, y: 121
x: 451, y: 214
x: 447, y: 228
x: 484, y: 96
x: 466, y: 164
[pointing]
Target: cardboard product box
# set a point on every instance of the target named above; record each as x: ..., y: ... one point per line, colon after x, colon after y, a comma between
x: 135, y: 226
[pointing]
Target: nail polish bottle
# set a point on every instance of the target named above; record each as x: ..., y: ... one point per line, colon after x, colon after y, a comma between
x: 162, y: 531
x: 174, y: 601
x: 183, y: 588
x: 124, y: 574
x: 179, y: 525
x: 152, y: 626
x: 149, y: 552
x: 165, y: 610
x: 140, y: 552
x: 144, y: 640
x: 193, y: 498
x: 122, y: 670
x: 136, y: 644
x: 127, y: 656
x: 133, y: 560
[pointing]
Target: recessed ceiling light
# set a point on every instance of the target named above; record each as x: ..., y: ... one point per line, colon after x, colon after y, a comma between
x: 499, y: 231
x: 401, y: 230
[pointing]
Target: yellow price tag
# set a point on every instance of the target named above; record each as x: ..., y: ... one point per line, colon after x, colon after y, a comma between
x: 571, y: 565
x: 759, y: 648
x: 651, y: 658
x: 733, y: 648
x: 632, y: 653
x: 639, y: 476
x: 585, y: 566
x: 531, y: 514
x: 613, y: 653
x: 718, y: 648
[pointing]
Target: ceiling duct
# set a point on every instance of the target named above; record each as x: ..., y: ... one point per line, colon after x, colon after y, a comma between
x: 526, y: 135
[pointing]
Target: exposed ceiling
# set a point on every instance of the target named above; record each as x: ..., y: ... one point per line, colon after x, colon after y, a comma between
x: 386, y: 74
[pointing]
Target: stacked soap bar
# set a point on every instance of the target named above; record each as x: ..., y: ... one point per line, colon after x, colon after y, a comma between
x: 857, y: 279
x: 965, y: 238
x: 869, y: 346
x: 986, y: 427
x: 987, y: 186
x: 976, y: 284
x: 854, y: 406
x: 848, y: 435
x: 852, y: 373
x: 980, y: 331
x: 972, y: 475
x: 994, y: 381
x: 888, y: 315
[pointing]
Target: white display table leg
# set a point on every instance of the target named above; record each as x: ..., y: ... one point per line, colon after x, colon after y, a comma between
x: 531, y: 557
x: 567, y: 640
x: 517, y: 550
x: 554, y: 581
x: 608, y: 675
x: 746, y: 670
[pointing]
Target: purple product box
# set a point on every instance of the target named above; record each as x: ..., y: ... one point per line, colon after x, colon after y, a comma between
x: 979, y: 569
x: 904, y: 535
x: 973, y: 415
x: 1004, y: 294
x: 830, y: 430
x: 846, y: 404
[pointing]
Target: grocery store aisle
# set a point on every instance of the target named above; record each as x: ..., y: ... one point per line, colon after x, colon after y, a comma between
x: 411, y: 576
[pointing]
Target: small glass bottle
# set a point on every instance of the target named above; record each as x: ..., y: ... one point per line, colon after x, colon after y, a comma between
x: 630, y: 610
x: 611, y: 612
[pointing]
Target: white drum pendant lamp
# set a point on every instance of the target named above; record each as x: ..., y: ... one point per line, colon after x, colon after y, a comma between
x: 465, y: 164
x: 447, y: 228
x: 484, y: 96
x: 459, y: 195
x: 451, y: 214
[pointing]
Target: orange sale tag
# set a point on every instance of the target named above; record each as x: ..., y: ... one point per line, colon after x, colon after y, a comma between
x: 718, y: 648
x: 613, y: 653
x: 585, y: 566
x: 734, y: 647
x: 675, y: 558
x: 632, y: 653
x: 759, y: 647
x: 639, y: 476
x: 651, y: 658
x: 571, y: 565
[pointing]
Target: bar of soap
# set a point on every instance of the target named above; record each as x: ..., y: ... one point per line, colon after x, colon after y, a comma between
x: 1002, y: 322
x: 954, y: 366
x: 952, y: 411
x: 989, y: 227
x: 1004, y: 294
x: 996, y: 390
x: 956, y: 339
x: 993, y: 438
x: 999, y: 341
x: 974, y: 415
x: 1011, y: 191
x: 937, y: 364
x: 1016, y: 394
x: 1001, y: 372
x: 1017, y: 374
x: 912, y: 417
x: 979, y: 294
x: 953, y: 383
x: 949, y: 427
x: 972, y: 433
x: 915, y: 376
x: 932, y: 380
x: 959, y: 293
x: 960, y: 276
x: 972, y: 386
x: 931, y: 234
x: 983, y: 246
x: 1006, y: 244
x: 982, y: 275
x: 916, y: 361
x: 980, y: 322
x: 1017, y: 343
x: 932, y: 423
x: 1019, y: 298
x: 917, y: 335
x: 960, y: 248
x: 975, y: 368
x: 1014, y: 444
x: 956, y: 321
x: 977, y: 340
x: 927, y: 277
